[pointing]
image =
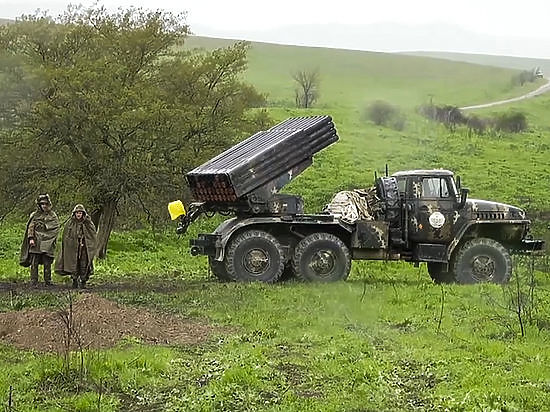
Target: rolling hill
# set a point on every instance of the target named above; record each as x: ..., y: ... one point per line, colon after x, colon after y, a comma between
x: 350, y: 78
x: 392, y: 37
x: 519, y: 63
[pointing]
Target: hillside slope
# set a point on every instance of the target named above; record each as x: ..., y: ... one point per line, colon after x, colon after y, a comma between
x: 512, y: 62
x: 350, y: 78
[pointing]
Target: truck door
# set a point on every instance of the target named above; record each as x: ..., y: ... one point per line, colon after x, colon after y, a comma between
x: 432, y: 209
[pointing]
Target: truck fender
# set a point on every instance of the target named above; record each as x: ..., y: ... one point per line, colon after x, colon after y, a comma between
x: 456, y: 241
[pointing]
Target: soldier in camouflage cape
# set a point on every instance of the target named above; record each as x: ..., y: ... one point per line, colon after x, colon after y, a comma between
x: 39, y: 241
x: 78, y: 248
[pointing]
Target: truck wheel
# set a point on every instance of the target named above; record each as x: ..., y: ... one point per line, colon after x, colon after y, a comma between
x: 482, y: 260
x: 218, y: 269
x: 321, y: 257
x: 254, y: 255
x: 438, y: 275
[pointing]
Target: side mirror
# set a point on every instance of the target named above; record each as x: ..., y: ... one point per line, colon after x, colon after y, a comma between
x: 463, y: 196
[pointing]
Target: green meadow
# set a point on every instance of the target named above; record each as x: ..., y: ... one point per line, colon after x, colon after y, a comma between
x: 349, y: 79
x: 388, y: 339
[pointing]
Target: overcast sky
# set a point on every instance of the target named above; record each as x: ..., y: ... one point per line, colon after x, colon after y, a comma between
x: 528, y: 18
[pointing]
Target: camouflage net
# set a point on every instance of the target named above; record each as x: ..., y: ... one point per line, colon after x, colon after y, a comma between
x: 353, y: 205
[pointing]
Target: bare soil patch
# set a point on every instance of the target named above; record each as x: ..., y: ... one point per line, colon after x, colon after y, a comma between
x: 97, y: 323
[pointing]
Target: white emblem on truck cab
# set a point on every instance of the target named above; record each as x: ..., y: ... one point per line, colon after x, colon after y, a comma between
x: 437, y: 219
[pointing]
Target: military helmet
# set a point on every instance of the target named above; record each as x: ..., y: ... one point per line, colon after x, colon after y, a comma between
x: 43, y: 199
x: 79, y: 208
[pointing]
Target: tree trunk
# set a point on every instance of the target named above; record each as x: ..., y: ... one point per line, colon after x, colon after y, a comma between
x: 105, y: 226
x: 95, y: 215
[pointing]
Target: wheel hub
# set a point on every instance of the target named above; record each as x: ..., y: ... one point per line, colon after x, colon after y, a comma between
x: 483, y: 268
x: 323, y: 262
x: 256, y: 261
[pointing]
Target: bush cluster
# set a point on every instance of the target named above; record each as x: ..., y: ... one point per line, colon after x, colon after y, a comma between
x: 452, y: 116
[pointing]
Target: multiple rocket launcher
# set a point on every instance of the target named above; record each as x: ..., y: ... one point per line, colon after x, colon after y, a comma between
x: 262, y: 158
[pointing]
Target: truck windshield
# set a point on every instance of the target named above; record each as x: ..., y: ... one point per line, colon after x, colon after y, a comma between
x: 453, y: 188
x: 434, y: 187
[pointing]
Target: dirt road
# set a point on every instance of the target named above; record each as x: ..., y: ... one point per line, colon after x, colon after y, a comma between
x: 542, y: 89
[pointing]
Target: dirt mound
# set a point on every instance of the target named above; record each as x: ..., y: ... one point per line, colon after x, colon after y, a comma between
x: 96, y: 323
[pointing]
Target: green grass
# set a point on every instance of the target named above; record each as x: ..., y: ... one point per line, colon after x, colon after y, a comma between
x: 372, y: 343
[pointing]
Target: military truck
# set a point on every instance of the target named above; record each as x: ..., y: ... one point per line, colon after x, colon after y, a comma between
x: 416, y: 216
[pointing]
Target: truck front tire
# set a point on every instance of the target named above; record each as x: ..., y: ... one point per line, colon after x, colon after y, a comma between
x: 321, y: 257
x: 254, y: 255
x: 482, y: 260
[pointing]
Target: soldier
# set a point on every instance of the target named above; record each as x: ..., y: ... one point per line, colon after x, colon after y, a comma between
x: 78, y: 248
x: 39, y: 241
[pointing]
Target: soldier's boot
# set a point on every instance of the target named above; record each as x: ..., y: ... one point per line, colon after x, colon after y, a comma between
x: 48, y: 274
x: 75, y: 283
x: 82, y: 283
x: 34, y: 272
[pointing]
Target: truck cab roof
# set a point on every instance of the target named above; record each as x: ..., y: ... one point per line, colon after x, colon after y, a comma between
x: 432, y: 172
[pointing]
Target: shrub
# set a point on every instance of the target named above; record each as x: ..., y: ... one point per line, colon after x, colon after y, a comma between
x: 449, y: 115
x: 382, y: 113
x: 513, y: 122
x: 477, y: 124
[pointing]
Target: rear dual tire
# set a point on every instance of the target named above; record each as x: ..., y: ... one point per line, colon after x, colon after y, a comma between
x: 218, y: 269
x: 321, y: 257
x: 254, y: 255
x: 439, y: 273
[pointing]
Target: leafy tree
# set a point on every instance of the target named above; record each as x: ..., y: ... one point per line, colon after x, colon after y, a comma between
x: 120, y: 114
x: 307, y: 87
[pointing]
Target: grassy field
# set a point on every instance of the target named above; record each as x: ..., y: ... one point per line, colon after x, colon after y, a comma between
x: 349, y: 79
x: 377, y: 342
x: 388, y: 339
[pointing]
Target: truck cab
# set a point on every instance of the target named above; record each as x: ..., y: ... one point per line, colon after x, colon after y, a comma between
x: 433, y: 204
x: 439, y: 221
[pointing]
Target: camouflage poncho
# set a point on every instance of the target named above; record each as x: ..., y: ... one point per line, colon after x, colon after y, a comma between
x: 67, y: 260
x: 43, y: 227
